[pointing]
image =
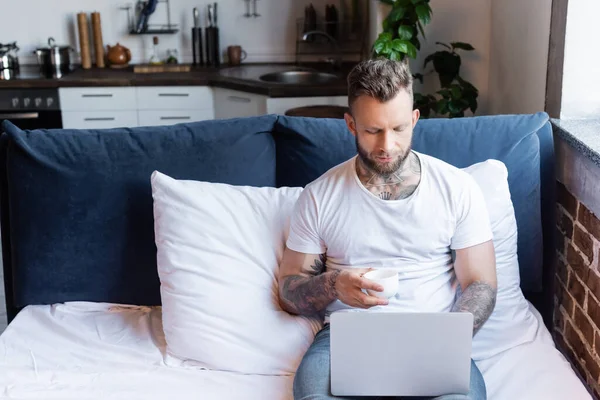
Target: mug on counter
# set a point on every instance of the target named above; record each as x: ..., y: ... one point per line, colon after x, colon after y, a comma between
x: 236, y: 55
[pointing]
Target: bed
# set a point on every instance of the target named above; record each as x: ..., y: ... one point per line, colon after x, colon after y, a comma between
x: 80, y: 350
x: 82, y: 289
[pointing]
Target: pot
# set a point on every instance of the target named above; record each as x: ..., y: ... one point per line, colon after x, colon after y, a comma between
x: 54, y: 61
x: 8, y: 57
x: 118, y: 56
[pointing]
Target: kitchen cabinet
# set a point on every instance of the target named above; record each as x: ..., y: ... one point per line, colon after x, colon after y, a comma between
x: 98, y: 107
x: 111, y: 107
x: 97, y: 98
x: 99, y: 119
x: 234, y: 103
x: 170, y: 117
x: 167, y: 105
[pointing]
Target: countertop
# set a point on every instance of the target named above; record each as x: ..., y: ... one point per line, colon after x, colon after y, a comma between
x: 244, y: 77
x: 582, y: 134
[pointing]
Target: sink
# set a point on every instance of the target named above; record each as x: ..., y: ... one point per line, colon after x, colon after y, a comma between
x: 299, y: 77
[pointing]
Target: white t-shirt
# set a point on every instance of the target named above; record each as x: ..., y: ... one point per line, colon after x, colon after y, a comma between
x: 337, y: 215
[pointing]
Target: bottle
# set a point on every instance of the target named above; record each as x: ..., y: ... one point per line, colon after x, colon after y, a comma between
x: 155, y: 59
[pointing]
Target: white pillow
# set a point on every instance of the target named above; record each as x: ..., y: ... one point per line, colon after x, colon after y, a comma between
x: 511, y: 322
x: 219, y: 248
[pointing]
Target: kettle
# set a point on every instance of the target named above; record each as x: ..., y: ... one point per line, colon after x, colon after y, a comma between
x: 118, y: 56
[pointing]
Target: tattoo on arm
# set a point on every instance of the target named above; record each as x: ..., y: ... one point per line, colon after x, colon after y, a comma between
x: 318, y: 266
x: 479, y: 299
x: 309, y: 293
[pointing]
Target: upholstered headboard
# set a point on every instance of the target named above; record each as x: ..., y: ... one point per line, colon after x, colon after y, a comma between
x: 76, y: 206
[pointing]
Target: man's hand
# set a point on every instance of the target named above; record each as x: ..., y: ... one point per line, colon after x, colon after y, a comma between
x: 306, y: 289
x: 349, y: 285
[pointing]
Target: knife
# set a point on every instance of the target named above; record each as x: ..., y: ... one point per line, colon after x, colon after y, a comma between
x: 215, y: 15
x: 196, y: 18
x: 210, y: 15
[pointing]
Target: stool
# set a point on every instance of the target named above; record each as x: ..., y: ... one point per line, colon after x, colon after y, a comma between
x: 321, y: 111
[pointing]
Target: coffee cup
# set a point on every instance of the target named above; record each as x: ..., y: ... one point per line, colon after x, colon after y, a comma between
x: 236, y: 55
x: 387, y: 278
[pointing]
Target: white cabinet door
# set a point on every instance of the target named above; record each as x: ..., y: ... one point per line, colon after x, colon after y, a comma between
x: 280, y: 105
x: 175, y: 98
x: 97, y: 98
x: 233, y: 103
x: 171, y: 117
x: 99, y: 119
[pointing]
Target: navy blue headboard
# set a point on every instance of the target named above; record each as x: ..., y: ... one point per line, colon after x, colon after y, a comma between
x: 76, y: 208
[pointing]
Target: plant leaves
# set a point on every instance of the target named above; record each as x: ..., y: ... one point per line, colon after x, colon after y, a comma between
x: 385, y: 36
x: 467, y: 85
x: 424, y: 13
x: 416, y: 1
x: 444, y: 44
x: 421, y: 29
x: 386, y: 25
x: 397, y: 13
x: 462, y: 46
x: 400, y: 45
x: 456, y: 92
x: 378, y: 46
x: 395, y: 56
x: 387, y: 47
x: 412, y: 50
x: 405, y: 32
x: 473, y: 104
x: 416, y: 43
x: 390, y: 2
x: 441, y: 107
x: 427, y: 59
x: 445, y: 93
x: 447, y: 65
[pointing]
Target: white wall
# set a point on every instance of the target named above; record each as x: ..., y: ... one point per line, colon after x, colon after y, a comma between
x: 270, y: 37
x: 581, y: 78
x: 452, y: 21
x: 519, y: 55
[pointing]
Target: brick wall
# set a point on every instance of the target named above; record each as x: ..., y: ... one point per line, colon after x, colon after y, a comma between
x: 577, y: 311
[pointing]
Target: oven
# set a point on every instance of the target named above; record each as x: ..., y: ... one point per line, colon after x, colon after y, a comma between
x: 30, y: 108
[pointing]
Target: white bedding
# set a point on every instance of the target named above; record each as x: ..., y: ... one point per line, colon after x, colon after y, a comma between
x: 105, y: 351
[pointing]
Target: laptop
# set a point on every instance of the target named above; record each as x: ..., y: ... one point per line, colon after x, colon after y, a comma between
x: 388, y: 353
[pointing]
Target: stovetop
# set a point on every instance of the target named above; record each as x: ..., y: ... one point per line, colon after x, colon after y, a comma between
x: 25, y: 72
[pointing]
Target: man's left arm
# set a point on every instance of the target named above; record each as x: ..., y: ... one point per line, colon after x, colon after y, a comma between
x: 475, y: 268
x: 475, y: 262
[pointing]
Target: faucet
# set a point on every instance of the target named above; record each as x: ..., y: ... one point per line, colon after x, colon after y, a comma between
x: 337, y: 61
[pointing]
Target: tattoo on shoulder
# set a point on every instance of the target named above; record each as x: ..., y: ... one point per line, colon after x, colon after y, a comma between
x: 479, y: 298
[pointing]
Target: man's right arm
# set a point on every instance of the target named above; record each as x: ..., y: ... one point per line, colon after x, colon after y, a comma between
x: 306, y: 289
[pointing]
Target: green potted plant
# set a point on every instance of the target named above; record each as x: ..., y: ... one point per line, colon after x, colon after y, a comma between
x: 399, y: 39
x: 456, y: 94
x: 401, y: 28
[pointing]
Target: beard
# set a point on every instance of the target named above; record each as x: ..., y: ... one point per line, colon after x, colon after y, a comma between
x: 379, y: 168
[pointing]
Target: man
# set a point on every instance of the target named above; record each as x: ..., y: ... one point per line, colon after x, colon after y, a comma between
x: 388, y: 207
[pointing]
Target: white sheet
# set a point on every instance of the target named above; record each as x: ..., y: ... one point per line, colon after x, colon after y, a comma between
x: 106, y: 351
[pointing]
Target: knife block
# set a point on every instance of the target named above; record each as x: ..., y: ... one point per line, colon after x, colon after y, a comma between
x: 197, y: 46
x: 213, y: 54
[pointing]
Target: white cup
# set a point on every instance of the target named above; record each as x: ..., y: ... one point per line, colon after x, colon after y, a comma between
x: 387, y: 278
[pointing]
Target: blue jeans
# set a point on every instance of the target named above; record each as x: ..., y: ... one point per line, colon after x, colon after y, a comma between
x: 312, y: 380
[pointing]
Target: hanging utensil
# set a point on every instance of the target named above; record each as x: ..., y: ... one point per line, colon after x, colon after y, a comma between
x: 254, y: 13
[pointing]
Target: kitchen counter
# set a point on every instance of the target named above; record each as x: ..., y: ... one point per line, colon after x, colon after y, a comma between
x: 244, y: 77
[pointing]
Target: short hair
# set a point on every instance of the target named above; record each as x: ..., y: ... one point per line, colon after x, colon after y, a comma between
x: 379, y: 78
